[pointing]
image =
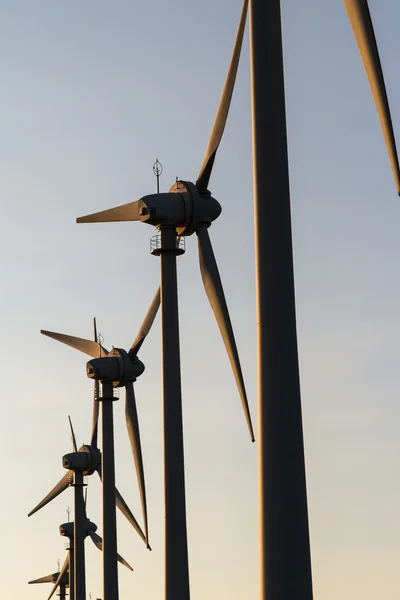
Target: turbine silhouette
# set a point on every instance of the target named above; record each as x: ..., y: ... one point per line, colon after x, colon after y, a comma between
x: 186, y: 209
x: 118, y: 368
x: 82, y: 527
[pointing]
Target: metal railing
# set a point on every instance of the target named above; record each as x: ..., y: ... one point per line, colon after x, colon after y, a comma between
x: 155, y: 243
x: 100, y: 394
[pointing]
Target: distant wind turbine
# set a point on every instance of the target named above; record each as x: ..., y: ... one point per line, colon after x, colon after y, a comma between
x: 186, y: 209
x: 58, y: 578
x: 117, y: 368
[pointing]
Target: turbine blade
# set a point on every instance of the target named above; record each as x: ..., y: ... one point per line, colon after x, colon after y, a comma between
x: 124, y: 562
x: 361, y: 23
x: 146, y: 325
x: 124, y: 508
x: 217, y: 131
x: 73, y: 435
x: 96, y: 539
x: 60, y: 487
x: 98, y: 542
x: 61, y: 575
x: 214, y: 290
x: 132, y: 425
x: 125, y: 212
x: 89, y: 347
x: 47, y: 579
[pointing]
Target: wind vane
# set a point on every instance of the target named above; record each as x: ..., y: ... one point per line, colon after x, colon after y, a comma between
x: 157, y: 170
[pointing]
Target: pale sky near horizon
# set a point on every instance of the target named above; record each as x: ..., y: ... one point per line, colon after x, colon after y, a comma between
x: 92, y: 93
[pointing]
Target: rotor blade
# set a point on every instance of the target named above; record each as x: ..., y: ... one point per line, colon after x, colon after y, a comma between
x: 146, y: 325
x: 125, y: 212
x: 132, y: 425
x: 217, y: 131
x: 47, y: 579
x: 98, y: 542
x: 61, y: 575
x: 214, y: 290
x: 124, y: 508
x: 89, y: 347
x: 73, y: 435
x: 361, y: 23
x: 60, y: 487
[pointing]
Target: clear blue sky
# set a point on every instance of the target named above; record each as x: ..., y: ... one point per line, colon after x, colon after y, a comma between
x: 91, y: 94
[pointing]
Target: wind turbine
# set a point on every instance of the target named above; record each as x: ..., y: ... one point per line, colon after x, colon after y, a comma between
x: 74, y: 477
x: 65, y: 576
x: 114, y: 369
x: 284, y: 534
x: 80, y: 463
x: 91, y: 461
x: 59, y: 578
x: 89, y: 529
x: 186, y: 209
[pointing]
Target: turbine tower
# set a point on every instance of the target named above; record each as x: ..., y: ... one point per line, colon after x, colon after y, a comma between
x: 186, y: 209
x: 284, y: 535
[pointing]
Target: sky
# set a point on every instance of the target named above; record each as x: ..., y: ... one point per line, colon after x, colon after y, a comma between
x: 92, y: 94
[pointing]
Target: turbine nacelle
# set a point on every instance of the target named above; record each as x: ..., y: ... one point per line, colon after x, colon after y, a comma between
x: 67, y: 530
x: 183, y: 206
x: 117, y: 368
x: 85, y: 461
